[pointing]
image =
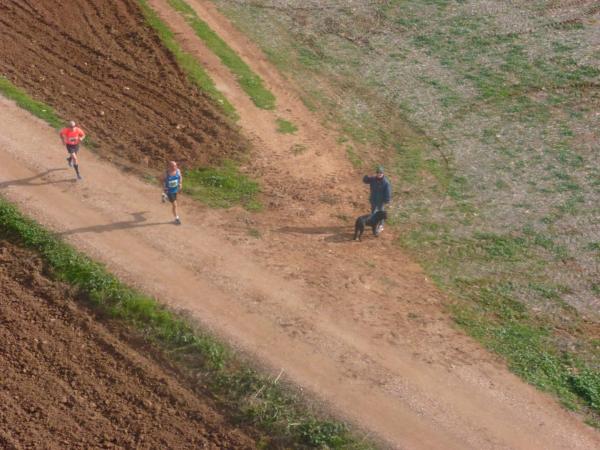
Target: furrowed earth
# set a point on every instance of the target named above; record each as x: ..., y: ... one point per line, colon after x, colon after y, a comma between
x: 102, y: 65
x: 67, y: 379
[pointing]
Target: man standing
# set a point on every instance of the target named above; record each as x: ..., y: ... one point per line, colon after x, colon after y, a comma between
x: 381, y: 192
x: 71, y: 137
x: 172, y: 185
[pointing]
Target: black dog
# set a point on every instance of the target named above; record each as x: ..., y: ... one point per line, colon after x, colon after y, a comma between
x: 372, y: 220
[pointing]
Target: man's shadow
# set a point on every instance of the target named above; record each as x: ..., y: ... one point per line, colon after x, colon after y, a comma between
x: 138, y: 221
x: 337, y: 233
x: 30, y: 181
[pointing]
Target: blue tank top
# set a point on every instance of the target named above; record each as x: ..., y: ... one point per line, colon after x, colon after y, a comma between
x: 172, y: 182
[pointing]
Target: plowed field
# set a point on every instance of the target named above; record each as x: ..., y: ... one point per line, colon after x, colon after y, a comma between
x: 67, y: 380
x: 101, y: 64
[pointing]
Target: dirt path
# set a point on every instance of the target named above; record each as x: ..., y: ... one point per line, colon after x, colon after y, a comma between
x: 368, y: 339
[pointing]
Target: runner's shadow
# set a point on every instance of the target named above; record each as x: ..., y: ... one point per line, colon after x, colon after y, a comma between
x: 138, y: 221
x: 337, y: 234
x: 30, y: 180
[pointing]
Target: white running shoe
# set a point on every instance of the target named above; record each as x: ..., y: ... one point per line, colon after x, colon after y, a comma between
x: 163, y: 197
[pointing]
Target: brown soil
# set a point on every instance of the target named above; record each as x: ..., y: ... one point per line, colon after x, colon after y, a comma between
x: 67, y: 380
x: 102, y: 65
x: 357, y: 325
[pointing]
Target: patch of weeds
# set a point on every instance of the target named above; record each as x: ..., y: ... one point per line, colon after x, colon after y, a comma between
x: 594, y: 247
x: 353, y: 157
x: 503, y: 325
x: 546, y: 291
x: 547, y: 243
x: 150, y: 179
x: 308, y: 57
x: 254, y: 399
x: 593, y: 423
x: 448, y: 97
x: 342, y: 217
x: 565, y: 131
x: 571, y: 205
x: 310, y: 105
x: 251, y: 83
x: 190, y: 65
x: 285, y: 127
x: 298, y: 149
x: 502, y: 247
x: 565, y: 155
x: 255, y: 233
x: 501, y: 184
x: 222, y: 187
x: 586, y: 384
x: 412, y: 163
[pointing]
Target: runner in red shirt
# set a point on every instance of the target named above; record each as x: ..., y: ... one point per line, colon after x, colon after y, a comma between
x: 71, y: 137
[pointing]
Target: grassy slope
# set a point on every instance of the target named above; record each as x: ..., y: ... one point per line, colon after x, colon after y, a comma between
x: 490, y: 111
x: 251, y: 83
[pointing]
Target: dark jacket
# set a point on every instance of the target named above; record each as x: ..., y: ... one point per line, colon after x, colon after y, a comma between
x: 381, y: 190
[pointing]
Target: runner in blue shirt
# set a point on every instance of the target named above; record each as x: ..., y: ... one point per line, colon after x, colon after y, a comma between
x: 172, y: 185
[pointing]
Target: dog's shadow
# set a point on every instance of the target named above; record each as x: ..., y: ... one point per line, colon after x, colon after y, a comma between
x: 336, y: 234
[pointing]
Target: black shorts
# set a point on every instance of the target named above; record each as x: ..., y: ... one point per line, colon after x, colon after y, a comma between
x: 172, y: 197
x: 72, y: 148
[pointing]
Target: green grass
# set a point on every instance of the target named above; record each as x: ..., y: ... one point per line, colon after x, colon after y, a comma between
x: 285, y: 127
x: 254, y: 399
x: 222, y: 187
x: 36, y: 108
x: 353, y: 157
x: 488, y: 308
x: 186, y: 61
x: 492, y: 316
x: 251, y: 83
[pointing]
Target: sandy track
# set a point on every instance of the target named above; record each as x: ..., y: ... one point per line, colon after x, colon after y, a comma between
x: 367, y: 339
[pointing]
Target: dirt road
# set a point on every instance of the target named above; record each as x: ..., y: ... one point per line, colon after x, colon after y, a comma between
x: 359, y: 326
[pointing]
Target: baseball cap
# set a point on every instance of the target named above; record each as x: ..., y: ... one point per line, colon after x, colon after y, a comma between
x: 379, y: 169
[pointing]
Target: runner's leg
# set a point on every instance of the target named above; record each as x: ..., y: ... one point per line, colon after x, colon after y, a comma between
x: 177, y: 221
x: 76, y: 166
